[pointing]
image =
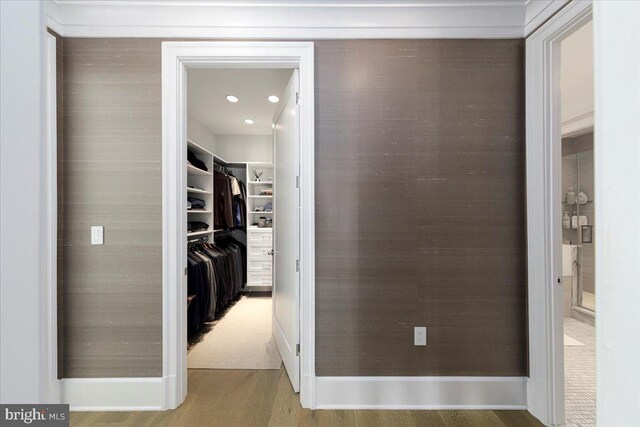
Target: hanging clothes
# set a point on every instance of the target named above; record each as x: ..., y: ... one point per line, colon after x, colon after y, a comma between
x: 230, y: 201
x: 216, y: 274
x: 223, y: 201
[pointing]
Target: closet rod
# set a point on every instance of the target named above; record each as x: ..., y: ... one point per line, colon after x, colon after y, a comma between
x: 221, y: 168
x: 224, y: 232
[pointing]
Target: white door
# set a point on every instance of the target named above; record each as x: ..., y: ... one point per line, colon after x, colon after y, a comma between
x: 286, y: 207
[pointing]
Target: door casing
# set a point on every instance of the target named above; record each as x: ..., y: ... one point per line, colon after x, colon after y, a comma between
x: 545, y: 388
x: 177, y: 57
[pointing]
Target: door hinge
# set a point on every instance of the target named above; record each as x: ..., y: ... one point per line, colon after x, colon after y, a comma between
x: 297, y: 349
x: 297, y: 265
x: 297, y: 98
x: 297, y: 181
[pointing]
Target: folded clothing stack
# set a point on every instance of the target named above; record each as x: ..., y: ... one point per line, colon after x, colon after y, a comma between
x: 266, y: 192
x: 195, y: 203
x: 197, y: 226
x: 194, y: 161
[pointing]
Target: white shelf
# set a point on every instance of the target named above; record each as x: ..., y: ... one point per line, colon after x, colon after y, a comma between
x: 204, y: 181
x: 197, y: 171
x: 269, y: 165
x: 260, y: 212
x: 197, y: 191
x: 199, y: 233
x: 260, y: 197
x: 261, y: 182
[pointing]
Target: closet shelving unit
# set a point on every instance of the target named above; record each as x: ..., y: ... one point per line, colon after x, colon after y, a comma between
x: 203, y: 182
x: 259, y: 239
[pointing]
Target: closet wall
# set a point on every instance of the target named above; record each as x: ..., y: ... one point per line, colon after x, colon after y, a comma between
x: 420, y: 207
x: 246, y: 148
x: 201, y: 135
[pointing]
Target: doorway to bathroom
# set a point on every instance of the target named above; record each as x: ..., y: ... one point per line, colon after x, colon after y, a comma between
x: 578, y: 225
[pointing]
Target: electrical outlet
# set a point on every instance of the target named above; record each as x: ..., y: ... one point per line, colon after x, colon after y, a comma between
x: 420, y: 335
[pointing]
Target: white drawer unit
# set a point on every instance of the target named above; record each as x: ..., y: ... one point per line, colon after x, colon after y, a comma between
x: 261, y: 236
x: 260, y: 263
x: 259, y: 278
x: 260, y: 249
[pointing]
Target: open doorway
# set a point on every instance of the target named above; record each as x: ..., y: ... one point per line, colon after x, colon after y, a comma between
x: 578, y: 225
x: 231, y: 119
x: 279, y: 259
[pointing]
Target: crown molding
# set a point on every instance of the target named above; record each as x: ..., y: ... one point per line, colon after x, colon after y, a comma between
x: 288, y: 19
x: 538, y: 11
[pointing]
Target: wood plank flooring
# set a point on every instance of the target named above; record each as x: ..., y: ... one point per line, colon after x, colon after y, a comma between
x: 265, y: 398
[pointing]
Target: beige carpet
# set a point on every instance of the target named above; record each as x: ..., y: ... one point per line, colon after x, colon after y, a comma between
x: 240, y: 340
x: 571, y: 342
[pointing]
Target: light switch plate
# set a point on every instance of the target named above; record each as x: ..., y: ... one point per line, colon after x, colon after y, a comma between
x: 97, y: 235
x: 420, y: 335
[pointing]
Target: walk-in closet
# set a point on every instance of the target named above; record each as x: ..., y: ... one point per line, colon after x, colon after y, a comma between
x: 230, y: 205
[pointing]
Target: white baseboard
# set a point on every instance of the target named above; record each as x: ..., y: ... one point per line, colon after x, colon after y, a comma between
x: 113, y: 394
x: 148, y: 394
x: 420, y: 393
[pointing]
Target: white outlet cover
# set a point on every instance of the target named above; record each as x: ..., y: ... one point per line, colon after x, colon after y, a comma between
x: 420, y: 335
x: 97, y: 235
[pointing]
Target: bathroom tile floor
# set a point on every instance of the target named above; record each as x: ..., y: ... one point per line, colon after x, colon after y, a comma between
x: 580, y: 375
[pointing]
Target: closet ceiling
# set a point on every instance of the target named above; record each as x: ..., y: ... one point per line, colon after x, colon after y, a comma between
x: 208, y: 88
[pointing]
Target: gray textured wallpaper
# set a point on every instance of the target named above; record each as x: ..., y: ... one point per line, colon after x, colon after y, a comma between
x: 420, y: 209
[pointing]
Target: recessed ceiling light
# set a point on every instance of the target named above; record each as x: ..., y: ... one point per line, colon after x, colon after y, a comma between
x: 248, y: 121
x: 232, y: 98
x: 273, y: 99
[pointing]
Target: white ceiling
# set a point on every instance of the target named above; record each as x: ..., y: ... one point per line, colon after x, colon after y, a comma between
x: 208, y: 88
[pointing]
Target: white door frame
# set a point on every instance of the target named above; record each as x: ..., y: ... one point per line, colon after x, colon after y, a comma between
x: 545, y: 388
x: 176, y: 58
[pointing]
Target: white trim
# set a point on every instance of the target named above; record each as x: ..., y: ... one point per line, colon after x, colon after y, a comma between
x: 411, y: 393
x: 288, y: 19
x: 52, y: 393
x: 176, y: 57
x: 113, y: 394
x: 545, y: 391
x: 578, y: 125
x: 538, y: 11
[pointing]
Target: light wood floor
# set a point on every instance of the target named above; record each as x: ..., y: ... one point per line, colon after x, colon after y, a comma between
x: 265, y: 398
